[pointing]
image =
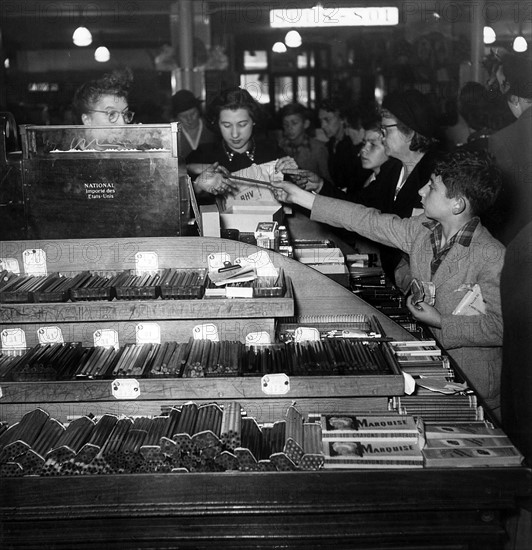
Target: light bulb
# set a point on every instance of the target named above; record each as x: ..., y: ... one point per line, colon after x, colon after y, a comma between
x: 102, y: 54
x: 279, y: 47
x: 293, y: 39
x: 520, y: 44
x: 82, y: 37
x: 489, y: 35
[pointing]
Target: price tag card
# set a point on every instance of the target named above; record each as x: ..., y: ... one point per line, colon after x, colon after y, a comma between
x: 10, y: 264
x: 13, y: 339
x: 258, y: 338
x: 106, y: 338
x: 306, y: 334
x: 217, y: 260
x: 207, y: 331
x: 275, y: 384
x: 50, y: 335
x: 125, y: 388
x: 148, y: 333
x: 34, y: 260
x: 146, y: 262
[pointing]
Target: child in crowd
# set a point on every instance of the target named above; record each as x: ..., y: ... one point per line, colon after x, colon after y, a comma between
x: 308, y: 152
x: 450, y: 253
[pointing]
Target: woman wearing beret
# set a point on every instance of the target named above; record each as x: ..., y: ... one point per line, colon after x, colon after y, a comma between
x: 186, y: 109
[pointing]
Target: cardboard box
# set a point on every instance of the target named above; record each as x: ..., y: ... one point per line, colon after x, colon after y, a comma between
x: 319, y: 255
x: 246, y: 216
x: 210, y: 220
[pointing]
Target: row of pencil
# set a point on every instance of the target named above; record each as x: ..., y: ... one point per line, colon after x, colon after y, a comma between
x: 191, y: 437
x: 438, y: 407
x: 196, y: 358
x: 169, y: 283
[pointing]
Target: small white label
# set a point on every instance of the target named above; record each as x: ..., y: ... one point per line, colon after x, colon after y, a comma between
x: 148, y: 333
x: 146, y: 262
x: 217, y: 260
x: 34, y: 261
x: 50, y: 335
x: 125, y: 388
x: 275, y: 384
x: 13, y: 339
x: 306, y: 334
x: 106, y: 338
x: 207, y: 331
x: 10, y: 264
x: 258, y: 338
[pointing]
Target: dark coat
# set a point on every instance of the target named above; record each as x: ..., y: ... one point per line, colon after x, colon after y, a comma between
x: 512, y: 148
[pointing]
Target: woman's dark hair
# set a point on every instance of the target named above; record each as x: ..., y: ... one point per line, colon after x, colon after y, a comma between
x: 117, y: 83
x: 233, y: 99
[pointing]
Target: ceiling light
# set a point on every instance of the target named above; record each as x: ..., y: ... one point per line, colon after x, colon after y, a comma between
x: 82, y: 37
x: 520, y: 44
x: 489, y: 35
x: 102, y: 54
x: 279, y: 47
x: 293, y: 39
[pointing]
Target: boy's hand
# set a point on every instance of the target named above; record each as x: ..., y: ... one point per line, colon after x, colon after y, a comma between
x: 291, y: 193
x: 424, y: 313
x: 307, y: 180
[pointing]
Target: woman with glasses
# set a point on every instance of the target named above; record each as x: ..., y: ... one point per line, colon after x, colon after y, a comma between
x: 104, y: 102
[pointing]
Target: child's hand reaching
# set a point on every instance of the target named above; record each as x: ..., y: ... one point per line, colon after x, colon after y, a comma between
x: 285, y: 191
x: 424, y: 313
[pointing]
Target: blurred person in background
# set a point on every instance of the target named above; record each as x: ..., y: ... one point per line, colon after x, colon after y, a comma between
x: 186, y: 109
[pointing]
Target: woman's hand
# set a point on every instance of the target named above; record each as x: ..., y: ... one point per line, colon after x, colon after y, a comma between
x: 285, y: 191
x: 215, y: 180
x: 285, y: 163
x: 424, y: 313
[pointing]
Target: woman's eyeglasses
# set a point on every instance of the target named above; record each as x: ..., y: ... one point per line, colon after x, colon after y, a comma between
x: 114, y: 115
x: 384, y: 128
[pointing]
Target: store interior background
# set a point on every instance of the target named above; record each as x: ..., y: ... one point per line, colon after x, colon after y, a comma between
x: 209, y: 45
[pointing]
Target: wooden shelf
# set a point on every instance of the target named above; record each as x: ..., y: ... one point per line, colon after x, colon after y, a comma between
x: 362, y: 509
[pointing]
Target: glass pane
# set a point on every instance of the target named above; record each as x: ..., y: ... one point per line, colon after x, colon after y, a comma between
x: 302, y: 60
x: 302, y: 90
x: 284, y: 91
x: 312, y: 92
x: 257, y: 85
x: 255, y: 60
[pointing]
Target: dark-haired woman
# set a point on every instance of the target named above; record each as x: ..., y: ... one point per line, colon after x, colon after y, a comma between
x: 104, y: 101
x: 237, y: 118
